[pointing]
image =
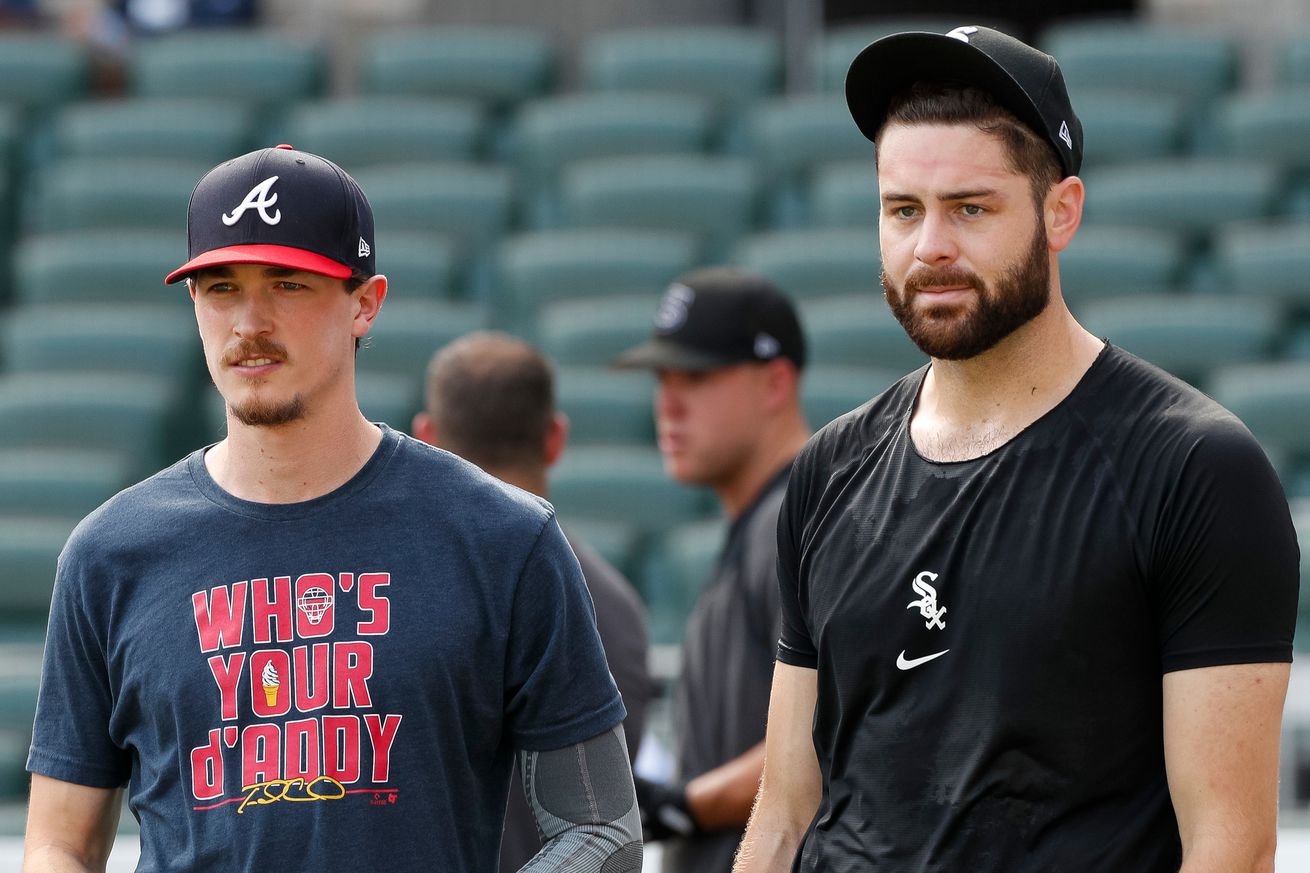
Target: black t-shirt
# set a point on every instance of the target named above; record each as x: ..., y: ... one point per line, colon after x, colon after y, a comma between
x: 722, y: 700
x: 990, y: 634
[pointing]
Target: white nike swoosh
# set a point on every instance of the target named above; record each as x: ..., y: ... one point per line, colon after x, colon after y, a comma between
x: 910, y: 663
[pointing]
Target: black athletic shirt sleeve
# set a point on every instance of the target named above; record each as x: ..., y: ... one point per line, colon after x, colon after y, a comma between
x: 1224, y: 555
x: 795, y: 646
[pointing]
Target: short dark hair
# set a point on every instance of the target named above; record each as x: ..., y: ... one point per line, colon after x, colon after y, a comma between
x: 952, y: 103
x: 491, y: 398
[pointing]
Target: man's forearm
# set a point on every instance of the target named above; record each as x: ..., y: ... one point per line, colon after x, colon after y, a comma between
x: 53, y: 859
x: 721, y: 799
x: 767, y: 850
x: 586, y: 807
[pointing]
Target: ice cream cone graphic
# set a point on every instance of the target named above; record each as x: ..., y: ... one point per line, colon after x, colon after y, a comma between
x: 271, y: 684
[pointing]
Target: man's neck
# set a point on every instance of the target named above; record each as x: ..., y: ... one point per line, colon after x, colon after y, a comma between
x: 740, y: 490
x: 293, y: 462
x: 969, y: 408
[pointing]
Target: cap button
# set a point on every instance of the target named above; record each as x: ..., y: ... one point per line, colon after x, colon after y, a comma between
x: 285, y: 146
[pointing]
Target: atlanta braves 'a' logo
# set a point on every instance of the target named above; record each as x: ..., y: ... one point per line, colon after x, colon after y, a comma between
x: 260, y: 198
x: 927, y: 604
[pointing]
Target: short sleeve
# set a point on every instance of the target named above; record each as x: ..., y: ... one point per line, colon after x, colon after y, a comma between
x: 71, y: 736
x: 795, y: 646
x: 557, y: 684
x: 1226, y: 564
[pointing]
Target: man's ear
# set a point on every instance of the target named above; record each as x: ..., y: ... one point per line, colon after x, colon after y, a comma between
x: 1063, y: 212
x: 557, y: 437
x: 369, y: 303
x: 424, y: 428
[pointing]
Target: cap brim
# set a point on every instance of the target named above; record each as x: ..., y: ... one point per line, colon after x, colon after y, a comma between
x: 273, y: 256
x: 892, y: 64
x: 660, y: 354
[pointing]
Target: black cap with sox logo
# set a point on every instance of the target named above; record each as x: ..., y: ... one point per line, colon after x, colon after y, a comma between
x: 280, y: 207
x: 1024, y: 80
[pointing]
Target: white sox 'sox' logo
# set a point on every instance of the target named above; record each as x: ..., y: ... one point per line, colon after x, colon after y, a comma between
x: 260, y: 198
x: 927, y: 604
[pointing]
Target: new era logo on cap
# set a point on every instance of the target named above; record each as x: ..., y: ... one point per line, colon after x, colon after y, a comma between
x: 283, y: 208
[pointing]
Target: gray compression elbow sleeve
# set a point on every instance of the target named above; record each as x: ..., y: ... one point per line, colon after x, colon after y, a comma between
x: 585, y: 806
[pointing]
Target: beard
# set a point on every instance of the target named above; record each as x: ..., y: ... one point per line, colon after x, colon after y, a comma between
x: 258, y: 412
x: 958, y: 332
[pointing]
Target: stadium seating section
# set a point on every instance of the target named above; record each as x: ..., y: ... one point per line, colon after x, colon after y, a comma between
x: 506, y: 200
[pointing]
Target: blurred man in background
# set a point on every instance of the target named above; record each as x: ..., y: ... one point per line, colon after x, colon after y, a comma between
x: 727, y: 350
x: 490, y: 398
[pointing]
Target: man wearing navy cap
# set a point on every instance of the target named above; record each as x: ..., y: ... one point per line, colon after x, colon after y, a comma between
x: 728, y: 351
x: 317, y: 644
x: 1038, y: 597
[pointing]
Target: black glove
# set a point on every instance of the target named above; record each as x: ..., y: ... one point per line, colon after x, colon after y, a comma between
x: 664, y: 811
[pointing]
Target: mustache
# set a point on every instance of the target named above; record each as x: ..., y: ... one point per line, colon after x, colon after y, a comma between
x: 929, y: 277
x: 257, y: 347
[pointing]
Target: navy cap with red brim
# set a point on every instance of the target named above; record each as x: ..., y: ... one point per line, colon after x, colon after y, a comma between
x: 272, y: 256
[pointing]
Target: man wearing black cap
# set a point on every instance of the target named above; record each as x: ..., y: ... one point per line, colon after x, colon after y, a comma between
x: 317, y: 643
x: 728, y: 350
x: 1038, y: 597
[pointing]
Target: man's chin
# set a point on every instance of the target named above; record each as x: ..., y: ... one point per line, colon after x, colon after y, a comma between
x: 263, y: 413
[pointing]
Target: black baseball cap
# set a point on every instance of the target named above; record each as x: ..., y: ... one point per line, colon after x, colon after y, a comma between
x: 1024, y: 80
x: 280, y: 207
x: 717, y: 316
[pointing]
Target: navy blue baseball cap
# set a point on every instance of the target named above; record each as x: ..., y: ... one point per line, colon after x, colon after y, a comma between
x: 1024, y: 80
x: 280, y: 207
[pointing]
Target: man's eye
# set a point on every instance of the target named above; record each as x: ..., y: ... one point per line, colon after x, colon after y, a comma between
x: 906, y: 212
x: 972, y: 209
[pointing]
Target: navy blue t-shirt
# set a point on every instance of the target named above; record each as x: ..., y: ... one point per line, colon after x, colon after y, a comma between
x: 308, y: 686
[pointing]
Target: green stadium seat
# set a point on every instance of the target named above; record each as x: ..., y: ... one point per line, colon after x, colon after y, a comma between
x: 1189, y: 335
x: 815, y: 262
x: 101, y: 266
x: 1294, y: 60
x: 1181, y: 194
x: 1108, y: 261
x: 858, y: 331
x: 102, y: 338
x: 470, y: 205
x: 1123, y: 126
x: 712, y: 197
x: 606, y: 406
x: 533, y: 269
x: 677, y: 567
x: 624, y: 483
x: 117, y: 193
x: 596, y: 330
x: 206, y: 131
x: 418, y: 266
x: 40, y: 70
x: 617, y: 542
x: 1127, y: 55
x: 18, y: 694
x: 729, y: 64
x: 357, y: 132
x: 831, y: 391
x: 54, y: 483
x: 126, y: 414
x: 1268, y: 126
x: 1273, y: 398
x: 790, y: 136
x: 845, y: 194
x: 838, y: 45
x: 1301, y: 521
x: 553, y: 132
x: 407, y: 333
x: 1271, y: 260
x: 29, y: 549
x: 260, y: 67
x: 498, y: 66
